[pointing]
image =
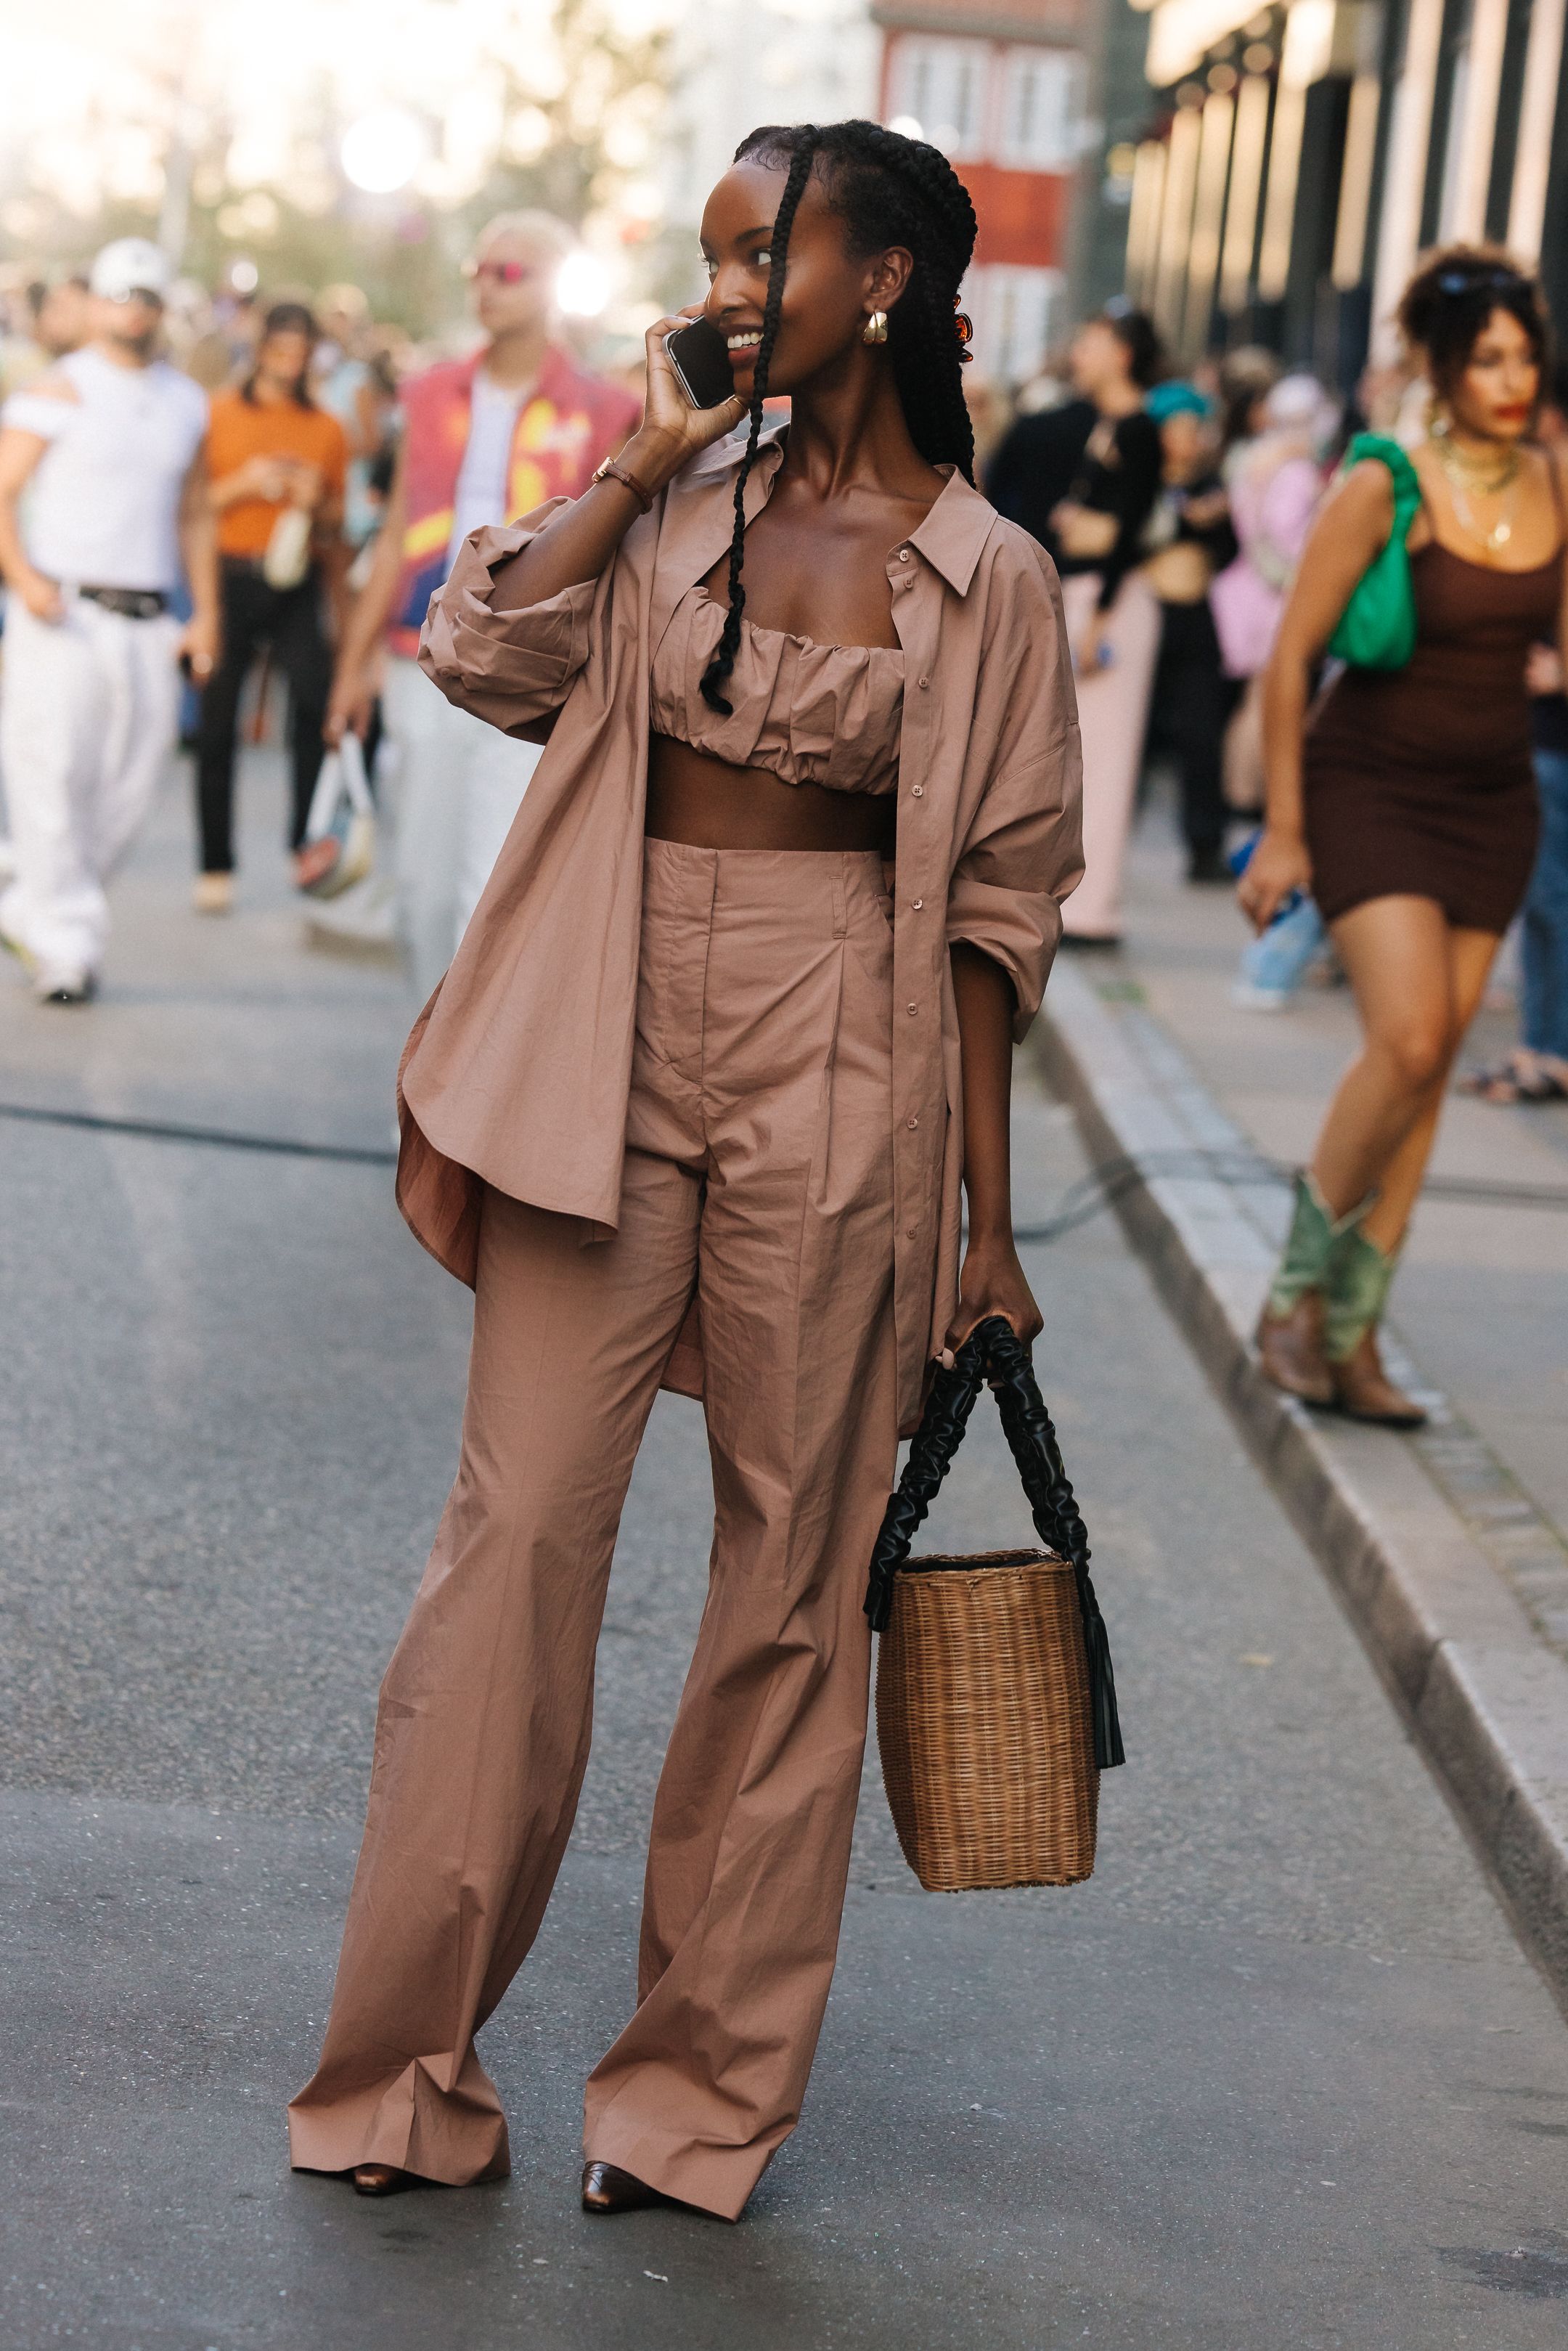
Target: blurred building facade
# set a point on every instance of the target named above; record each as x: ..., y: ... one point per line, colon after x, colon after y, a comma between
x: 1003, y: 87
x: 1291, y: 161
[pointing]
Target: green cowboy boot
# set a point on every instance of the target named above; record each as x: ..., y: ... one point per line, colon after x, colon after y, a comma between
x: 1291, y: 1324
x: 1359, y: 1274
x: 1290, y: 1350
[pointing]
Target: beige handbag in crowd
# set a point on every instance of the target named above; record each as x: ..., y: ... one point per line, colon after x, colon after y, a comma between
x: 287, y: 556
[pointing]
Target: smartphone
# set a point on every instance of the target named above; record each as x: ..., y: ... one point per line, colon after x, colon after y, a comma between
x: 700, y: 358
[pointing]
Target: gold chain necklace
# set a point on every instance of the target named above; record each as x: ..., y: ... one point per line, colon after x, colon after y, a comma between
x: 1454, y: 467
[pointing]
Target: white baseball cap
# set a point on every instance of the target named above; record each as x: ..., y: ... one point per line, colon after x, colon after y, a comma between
x: 131, y: 264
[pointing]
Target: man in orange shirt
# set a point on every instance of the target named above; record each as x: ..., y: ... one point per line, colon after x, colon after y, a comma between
x: 278, y: 463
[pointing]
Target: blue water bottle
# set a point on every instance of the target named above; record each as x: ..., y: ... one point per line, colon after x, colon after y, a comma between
x: 1275, y: 963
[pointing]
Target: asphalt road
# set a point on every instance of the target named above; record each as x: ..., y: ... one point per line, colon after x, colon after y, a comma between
x: 1278, y: 2078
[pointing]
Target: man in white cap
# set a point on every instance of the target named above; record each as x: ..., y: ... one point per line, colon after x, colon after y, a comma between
x: 109, y: 446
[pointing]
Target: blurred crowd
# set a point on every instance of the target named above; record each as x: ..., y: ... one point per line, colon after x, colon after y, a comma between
x: 340, y: 467
x: 201, y: 494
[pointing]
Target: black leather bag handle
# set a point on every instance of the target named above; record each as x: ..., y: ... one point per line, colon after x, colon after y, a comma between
x: 994, y: 1352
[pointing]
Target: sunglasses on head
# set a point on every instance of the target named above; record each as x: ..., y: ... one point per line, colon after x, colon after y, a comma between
x: 504, y: 273
x: 1485, y: 281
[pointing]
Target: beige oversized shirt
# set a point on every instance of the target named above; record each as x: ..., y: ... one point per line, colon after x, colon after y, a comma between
x: 519, y: 1070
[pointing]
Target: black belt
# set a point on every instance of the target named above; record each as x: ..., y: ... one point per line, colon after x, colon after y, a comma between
x: 130, y: 603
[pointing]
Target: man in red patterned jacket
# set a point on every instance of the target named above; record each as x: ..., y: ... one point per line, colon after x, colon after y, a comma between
x: 483, y: 440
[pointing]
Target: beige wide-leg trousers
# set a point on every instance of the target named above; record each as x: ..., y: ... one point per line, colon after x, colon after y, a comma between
x: 758, y: 1182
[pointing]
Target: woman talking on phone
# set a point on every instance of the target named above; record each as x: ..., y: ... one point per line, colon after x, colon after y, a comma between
x: 693, y: 1107
x: 1406, y: 804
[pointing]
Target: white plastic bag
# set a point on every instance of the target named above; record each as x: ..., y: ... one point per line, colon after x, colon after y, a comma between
x: 340, y: 831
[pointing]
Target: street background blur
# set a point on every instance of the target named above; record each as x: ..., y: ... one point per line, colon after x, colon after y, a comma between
x: 1291, y: 2068
x: 1254, y: 175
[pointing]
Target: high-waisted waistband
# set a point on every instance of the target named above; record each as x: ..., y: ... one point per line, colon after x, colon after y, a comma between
x: 804, y: 893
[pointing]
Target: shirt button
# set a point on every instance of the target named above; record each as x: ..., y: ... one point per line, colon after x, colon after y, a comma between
x: 904, y: 555
x: 911, y: 1008
x: 912, y: 1122
x: 917, y: 791
x: 918, y: 904
x: 924, y: 682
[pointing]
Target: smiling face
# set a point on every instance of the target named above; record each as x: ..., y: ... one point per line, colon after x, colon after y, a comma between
x: 828, y: 294
x: 1496, y: 390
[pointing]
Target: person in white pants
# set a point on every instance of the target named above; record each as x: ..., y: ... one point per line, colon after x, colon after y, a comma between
x: 483, y: 440
x: 110, y: 445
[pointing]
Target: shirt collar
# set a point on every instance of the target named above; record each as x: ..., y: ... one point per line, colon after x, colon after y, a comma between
x: 954, y: 532
x: 949, y: 539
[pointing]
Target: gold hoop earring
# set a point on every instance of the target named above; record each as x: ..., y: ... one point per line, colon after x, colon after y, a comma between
x: 875, y: 328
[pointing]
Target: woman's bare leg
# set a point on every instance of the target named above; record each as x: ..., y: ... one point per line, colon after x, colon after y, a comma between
x: 1471, y: 955
x: 1398, y: 952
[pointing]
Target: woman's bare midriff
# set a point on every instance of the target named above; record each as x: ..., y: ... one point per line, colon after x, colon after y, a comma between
x: 705, y: 803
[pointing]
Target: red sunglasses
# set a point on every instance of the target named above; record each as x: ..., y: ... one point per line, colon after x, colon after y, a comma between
x: 504, y: 273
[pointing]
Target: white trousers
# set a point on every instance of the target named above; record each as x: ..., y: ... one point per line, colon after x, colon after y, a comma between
x: 460, y: 782
x: 1112, y: 713
x: 90, y: 711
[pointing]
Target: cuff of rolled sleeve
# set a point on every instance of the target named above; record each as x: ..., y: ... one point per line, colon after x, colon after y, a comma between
x: 1018, y: 929
x: 528, y: 656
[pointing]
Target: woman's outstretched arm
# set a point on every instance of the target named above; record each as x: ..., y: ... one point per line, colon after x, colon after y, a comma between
x: 1352, y: 527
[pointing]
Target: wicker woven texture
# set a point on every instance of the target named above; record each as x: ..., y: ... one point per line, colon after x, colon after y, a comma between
x: 982, y: 1715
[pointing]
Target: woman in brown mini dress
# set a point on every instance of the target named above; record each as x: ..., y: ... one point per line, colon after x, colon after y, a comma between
x: 1405, y: 801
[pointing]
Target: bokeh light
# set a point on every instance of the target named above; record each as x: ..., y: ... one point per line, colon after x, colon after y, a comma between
x: 384, y: 150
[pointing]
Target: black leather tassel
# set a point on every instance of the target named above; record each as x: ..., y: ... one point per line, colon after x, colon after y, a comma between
x: 993, y: 1353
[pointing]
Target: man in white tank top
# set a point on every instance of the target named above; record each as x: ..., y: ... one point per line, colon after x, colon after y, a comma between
x: 109, y: 447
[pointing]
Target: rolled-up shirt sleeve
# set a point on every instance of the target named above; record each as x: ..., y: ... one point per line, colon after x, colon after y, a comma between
x: 514, y: 669
x: 1023, y: 853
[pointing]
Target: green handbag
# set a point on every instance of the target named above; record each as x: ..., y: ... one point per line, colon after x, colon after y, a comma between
x: 1377, y: 628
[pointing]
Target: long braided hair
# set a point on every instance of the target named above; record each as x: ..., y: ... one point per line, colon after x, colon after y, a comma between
x: 887, y: 190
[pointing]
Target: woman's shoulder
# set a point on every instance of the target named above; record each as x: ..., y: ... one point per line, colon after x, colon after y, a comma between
x: 1015, y: 561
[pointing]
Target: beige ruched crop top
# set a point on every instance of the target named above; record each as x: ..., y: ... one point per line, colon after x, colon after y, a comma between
x: 809, y: 713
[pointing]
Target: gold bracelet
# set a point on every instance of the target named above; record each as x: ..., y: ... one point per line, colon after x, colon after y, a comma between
x: 611, y: 471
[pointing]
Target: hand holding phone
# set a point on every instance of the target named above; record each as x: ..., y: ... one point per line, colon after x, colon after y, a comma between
x: 690, y: 403
x: 700, y: 358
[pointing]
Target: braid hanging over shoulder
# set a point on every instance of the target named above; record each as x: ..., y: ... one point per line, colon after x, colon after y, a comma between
x: 722, y: 662
x: 888, y: 191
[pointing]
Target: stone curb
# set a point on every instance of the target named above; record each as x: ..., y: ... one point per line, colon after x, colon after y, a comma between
x: 1486, y: 1697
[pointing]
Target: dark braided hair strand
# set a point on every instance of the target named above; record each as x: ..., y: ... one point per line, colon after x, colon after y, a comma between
x: 722, y: 662
x: 888, y: 191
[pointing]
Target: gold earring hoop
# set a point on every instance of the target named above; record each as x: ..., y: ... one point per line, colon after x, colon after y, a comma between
x: 875, y: 328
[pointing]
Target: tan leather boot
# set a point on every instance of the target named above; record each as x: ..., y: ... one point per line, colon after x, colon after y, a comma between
x: 1364, y: 1391
x: 1291, y: 1348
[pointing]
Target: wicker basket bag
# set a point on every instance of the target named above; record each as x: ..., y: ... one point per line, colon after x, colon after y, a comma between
x: 996, y: 1705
